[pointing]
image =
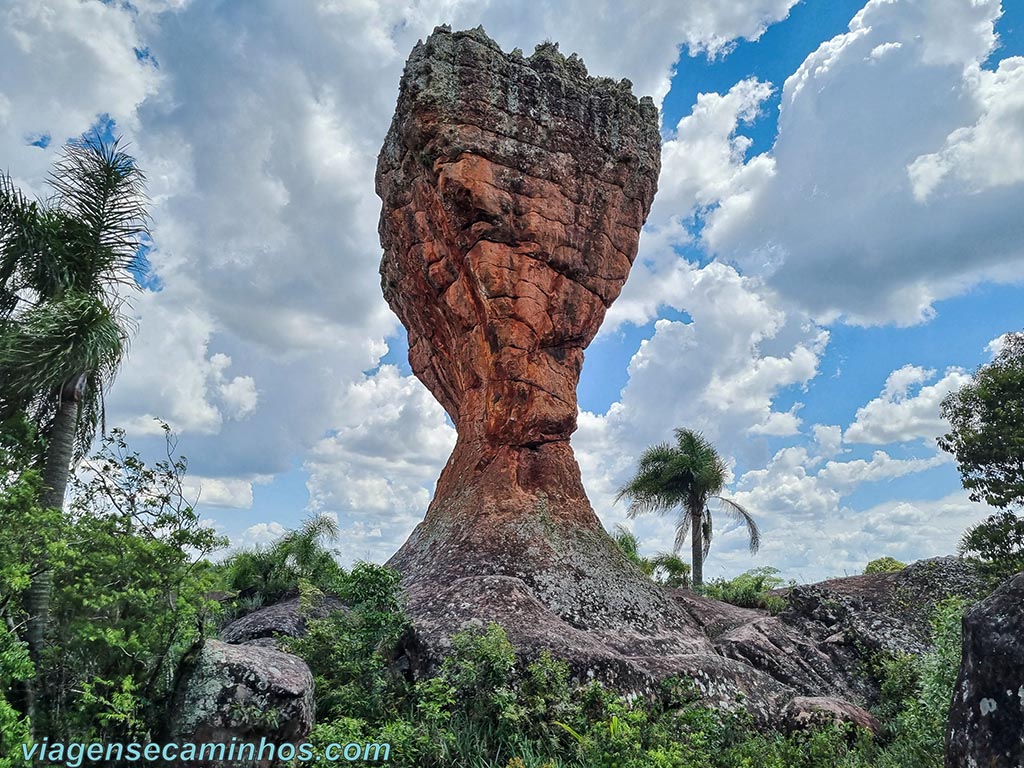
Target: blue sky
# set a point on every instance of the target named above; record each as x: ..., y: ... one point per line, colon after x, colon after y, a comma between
x: 835, y: 245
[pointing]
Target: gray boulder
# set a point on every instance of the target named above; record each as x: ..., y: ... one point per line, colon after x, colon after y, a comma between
x: 806, y: 712
x: 242, y: 692
x: 280, y: 619
x: 986, y: 720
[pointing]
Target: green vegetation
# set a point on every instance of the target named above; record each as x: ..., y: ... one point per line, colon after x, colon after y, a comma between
x: 749, y: 590
x: 264, y: 575
x: 997, y: 545
x: 129, y: 596
x: 65, y: 264
x: 666, y: 568
x: 986, y: 437
x: 884, y: 565
x: 487, y: 708
x: 684, y: 477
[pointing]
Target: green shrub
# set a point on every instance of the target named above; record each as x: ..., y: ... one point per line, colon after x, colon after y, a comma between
x: 748, y: 590
x: 884, y: 565
x: 265, y: 575
x: 349, y: 651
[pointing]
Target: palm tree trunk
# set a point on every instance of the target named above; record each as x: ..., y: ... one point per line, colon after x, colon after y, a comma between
x: 56, y: 469
x: 697, y: 549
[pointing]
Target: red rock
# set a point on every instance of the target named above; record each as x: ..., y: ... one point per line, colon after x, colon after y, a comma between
x: 514, y: 192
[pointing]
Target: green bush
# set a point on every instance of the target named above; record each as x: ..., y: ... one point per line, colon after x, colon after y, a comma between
x: 749, y: 589
x: 884, y: 565
x: 265, y: 575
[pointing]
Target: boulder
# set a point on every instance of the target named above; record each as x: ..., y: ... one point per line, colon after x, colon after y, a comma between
x: 887, y: 612
x: 986, y: 719
x: 283, y: 619
x: 242, y: 692
x: 806, y: 712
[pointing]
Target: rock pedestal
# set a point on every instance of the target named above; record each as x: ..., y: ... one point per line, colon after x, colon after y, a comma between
x: 514, y: 190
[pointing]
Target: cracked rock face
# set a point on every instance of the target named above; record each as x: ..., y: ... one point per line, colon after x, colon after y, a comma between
x: 986, y: 719
x: 514, y: 190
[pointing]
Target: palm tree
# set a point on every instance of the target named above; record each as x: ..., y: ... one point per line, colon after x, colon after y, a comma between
x: 685, y: 476
x: 629, y: 545
x: 266, y: 574
x: 65, y: 262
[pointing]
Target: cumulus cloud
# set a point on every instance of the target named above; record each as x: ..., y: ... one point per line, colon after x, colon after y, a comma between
x: 989, y: 153
x: 376, y: 472
x: 895, y: 176
x: 261, y: 534
x: 906, y: 409
x: 258, y: 124
x: 63, y: 63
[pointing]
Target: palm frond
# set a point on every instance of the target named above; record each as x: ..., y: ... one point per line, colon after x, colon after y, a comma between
x: 737, y: 511
x: 102, y: 192
x: 683, y: 528
x: 626, y: 541
x: 707, y: 531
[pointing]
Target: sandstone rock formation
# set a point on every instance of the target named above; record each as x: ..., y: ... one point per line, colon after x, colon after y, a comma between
x: 244, y: 693
x: 514, y: 190
x: 986, y: 720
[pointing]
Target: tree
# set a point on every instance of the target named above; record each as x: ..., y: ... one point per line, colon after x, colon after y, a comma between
x: 997, y: 543
x: 670, y: 570
x: 629, y: 545
x: 986, y: 417
x: 64, y: 264
x: 685, y: 476
x: 264, y: 575
x: 666, y: 568
x: 884, y: 564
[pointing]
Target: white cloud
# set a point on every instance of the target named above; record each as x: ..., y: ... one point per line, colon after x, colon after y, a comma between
x: 840, y: 225
x: 231, y: 492
x: 845, y: 475
x: 905, y: 410
x: 377, y: 471
x: 704, y: 162
x: 260, y: 534
x: 62, y: 64
x: 989, y: 153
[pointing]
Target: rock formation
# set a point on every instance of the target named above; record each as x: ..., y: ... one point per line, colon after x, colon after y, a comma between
x: 986, y: 720
x: 514, y: 190
x: 283, y: 619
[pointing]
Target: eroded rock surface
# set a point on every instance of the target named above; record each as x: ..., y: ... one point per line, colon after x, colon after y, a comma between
x: 986, y: 720
x: 806, y: 712
x: 514, y: 190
